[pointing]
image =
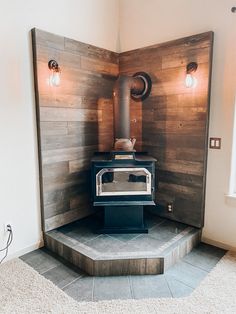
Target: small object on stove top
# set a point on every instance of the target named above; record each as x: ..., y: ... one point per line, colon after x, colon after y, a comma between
x: 121, y: 155
x: 124, y: 144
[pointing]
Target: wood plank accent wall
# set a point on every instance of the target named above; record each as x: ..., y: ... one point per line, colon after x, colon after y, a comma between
x: 74, y: 120
x: 175, y: 122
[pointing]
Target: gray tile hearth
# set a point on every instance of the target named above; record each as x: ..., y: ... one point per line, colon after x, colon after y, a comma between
x: 123, y: 254
x: 149, y: 287
x: 81, y: 290
x: 178, y: 281
x: 186, y: 273
x: 62, y: 275
x: 40, y: 260
x: 177, y: 288
x: 105, y: 244
x: 111, y: 288
x: 211, y: 256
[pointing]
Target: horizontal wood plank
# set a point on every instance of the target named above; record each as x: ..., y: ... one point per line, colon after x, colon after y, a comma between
x: 52, y: 142
x: 99, y: 66
x: 67, y: 154
x: 67, y: 217
x: 90, y: 51
x: 68, y: 114
x: 68, y: 101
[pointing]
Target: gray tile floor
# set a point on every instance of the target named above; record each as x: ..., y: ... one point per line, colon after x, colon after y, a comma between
x: 178, y: 281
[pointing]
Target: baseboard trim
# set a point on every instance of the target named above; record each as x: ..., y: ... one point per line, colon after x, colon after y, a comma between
x: 25, y: 250
x: 219, y: 244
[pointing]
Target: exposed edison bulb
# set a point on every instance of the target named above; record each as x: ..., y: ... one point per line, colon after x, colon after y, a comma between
x: 54, y: 79
x: 190, y: 81
x: 55, y: 73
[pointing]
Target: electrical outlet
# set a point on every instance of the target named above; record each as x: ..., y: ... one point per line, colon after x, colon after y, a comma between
x: 170, y: 207
x: 215, y: 143
x: 7, y: 226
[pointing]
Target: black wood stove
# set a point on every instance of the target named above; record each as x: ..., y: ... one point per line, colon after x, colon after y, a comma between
x: 123, y: 182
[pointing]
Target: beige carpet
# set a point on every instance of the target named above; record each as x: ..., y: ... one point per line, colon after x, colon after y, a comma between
x: 23, y: 290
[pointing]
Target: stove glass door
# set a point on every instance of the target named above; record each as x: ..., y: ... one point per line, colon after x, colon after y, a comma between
x: 123, y: 181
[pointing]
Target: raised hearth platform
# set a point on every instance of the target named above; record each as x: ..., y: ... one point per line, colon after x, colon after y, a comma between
x: 123, y: 254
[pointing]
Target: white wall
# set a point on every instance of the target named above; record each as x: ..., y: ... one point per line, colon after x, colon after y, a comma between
x: 142, y: 23
x: 149, y: 22
x: 90, y: 21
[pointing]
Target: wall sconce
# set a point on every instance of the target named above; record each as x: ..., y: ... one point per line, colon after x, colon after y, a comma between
x: 54, y: 79
x: 190, y: 80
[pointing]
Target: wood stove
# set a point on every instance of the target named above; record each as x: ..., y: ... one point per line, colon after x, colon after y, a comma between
x: 123, y: 182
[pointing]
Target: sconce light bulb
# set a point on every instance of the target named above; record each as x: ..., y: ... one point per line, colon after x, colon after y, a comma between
x: 54, y: 79
x: 190, y: 81
x: 55, y: 72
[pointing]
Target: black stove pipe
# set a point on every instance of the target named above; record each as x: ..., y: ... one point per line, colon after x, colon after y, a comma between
x: 124, y: 87
x: 138, y: 87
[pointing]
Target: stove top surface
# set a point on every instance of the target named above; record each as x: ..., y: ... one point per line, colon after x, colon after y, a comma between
x: 121, y: 155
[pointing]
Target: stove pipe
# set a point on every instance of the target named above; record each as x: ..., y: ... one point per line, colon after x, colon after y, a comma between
x: 138, y: 87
